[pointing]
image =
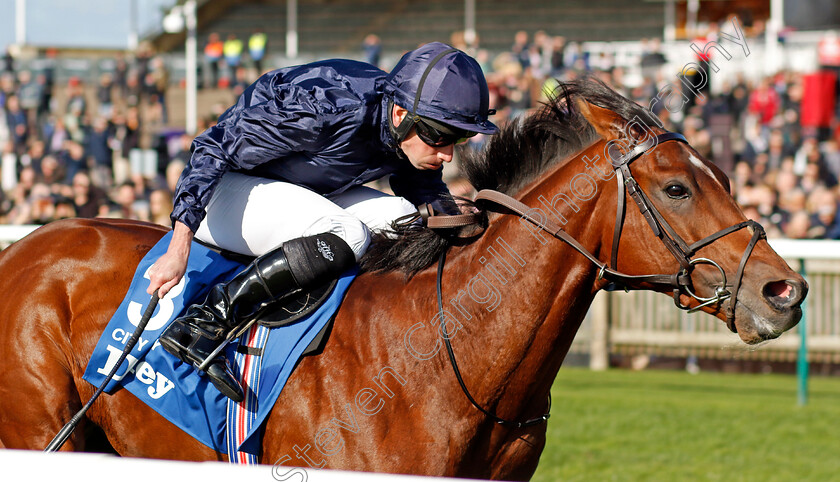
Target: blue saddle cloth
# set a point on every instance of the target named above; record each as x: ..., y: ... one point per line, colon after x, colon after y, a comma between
x: 175, y: 389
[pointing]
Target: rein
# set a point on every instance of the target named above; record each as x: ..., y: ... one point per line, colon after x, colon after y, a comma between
x: 496, y: 418
x: 680, y: 281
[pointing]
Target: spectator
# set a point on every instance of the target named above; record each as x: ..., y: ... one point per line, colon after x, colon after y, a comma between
x: 99, y: 151
x: 558, y: 51
x: 8, y: 165
x: 76, y: 109
x: 133, y: 90
x: 652, y: 57
x: 577, y: 58
x: 173, y: 173
x: 157, y: 81
x: 127, y: 204
x: 520, y: 48
x: 29, y: 94
x: 74, y: 161
x: 33, y: 156
x: 798, y: 226
x: 104, y: 95
x: 764, y: 103
x: 7, y: 87
x: 372, y: 48
x: 55, y: 134
x: 120, y: 75
x: 539, y: 55
x: 822, y: 209
x: 233, y: 55
x: 213, y: 51
x: 125, y: 137
x: 160, y: 205
x: 88, y: 200
x: 832, y: 229
x: 831, y: 158
x: 45, y: 89
x: 64, y: 208
x: 36, y: 208
x: 17, y: 124
x: 240, y: 82
x: 8, y: 61
x: 777, y: 150
x: 257, y: 46
x: 144, y: 55
x: 49, y: 78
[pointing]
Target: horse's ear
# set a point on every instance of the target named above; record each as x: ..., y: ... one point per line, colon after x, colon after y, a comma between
x: 606, y: 123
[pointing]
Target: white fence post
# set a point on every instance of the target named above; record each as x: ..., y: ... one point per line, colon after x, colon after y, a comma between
x: 599, y: 349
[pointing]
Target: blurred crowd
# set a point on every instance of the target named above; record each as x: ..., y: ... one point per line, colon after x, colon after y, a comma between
x: 228, y: 54
x: 105, y: 150
x: 83, y: 150
x: 777, y: 137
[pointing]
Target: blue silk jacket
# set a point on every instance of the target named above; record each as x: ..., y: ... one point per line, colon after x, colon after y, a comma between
x: 322, y: 126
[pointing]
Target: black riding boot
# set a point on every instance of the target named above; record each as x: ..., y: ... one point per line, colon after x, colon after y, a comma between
x: 299, y: 264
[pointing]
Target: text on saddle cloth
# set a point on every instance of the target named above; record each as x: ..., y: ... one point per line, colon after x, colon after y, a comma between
x: 175, y: 389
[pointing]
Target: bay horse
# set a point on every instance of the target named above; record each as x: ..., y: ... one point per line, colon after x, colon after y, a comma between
x: 382, y: 396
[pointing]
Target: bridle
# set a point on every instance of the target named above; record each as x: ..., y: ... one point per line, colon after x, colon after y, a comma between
x: 682, y: 251
x: 679, y: 282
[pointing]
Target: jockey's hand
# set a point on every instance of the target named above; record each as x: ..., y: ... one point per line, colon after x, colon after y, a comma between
x: 170, y: 268
x: 468, y: 209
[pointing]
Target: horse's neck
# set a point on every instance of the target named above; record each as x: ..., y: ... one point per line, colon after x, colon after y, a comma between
x: 521, y: 296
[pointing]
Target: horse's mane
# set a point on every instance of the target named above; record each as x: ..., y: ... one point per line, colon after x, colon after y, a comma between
x: 521, y: 151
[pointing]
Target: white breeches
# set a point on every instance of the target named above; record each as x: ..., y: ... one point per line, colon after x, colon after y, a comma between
x: 253, y: 215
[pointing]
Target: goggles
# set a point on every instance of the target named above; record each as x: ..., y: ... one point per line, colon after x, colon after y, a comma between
x: 436, y: 134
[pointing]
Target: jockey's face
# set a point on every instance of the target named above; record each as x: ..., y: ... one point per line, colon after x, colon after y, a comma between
x: 421, y: 155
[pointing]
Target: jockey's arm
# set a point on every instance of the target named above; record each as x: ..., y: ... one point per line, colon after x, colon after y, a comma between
x: 243, y: 139
x: 170, y: 268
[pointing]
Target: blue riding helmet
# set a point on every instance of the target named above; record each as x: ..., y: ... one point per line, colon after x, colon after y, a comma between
x: 440, y: 82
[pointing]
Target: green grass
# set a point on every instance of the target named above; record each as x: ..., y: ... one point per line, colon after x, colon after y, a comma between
x: 657, y: 425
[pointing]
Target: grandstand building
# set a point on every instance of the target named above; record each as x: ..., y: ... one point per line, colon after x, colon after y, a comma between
x: 338, y: 27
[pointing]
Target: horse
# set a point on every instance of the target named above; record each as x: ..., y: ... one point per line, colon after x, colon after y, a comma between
x: 382, y: 396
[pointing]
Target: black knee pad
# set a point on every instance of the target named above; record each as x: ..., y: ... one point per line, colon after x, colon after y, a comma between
x: 314, y: 260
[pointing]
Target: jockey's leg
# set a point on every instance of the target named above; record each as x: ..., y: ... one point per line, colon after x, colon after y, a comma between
x: 299, y: 264
x: 374, y: 208
x: 252, y: 216
x: 317, y: 240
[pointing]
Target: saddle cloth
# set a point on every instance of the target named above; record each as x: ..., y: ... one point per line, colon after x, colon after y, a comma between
x: 175, y: 389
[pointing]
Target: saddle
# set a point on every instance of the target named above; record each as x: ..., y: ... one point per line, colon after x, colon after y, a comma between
x: 291, y: 308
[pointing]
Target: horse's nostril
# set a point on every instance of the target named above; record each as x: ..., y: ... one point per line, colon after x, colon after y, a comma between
x: 779, y: 288
x: 782, y: 294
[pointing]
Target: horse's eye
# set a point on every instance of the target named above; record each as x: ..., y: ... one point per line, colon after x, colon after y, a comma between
x: 676, y: 191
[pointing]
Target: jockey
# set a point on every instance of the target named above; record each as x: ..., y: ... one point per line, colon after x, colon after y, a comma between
x: 281, y: 177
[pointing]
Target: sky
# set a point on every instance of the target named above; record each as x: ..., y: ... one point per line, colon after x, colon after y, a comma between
x: 79, y: 23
